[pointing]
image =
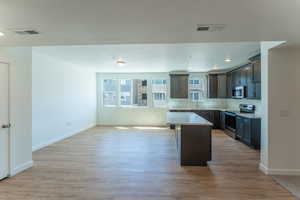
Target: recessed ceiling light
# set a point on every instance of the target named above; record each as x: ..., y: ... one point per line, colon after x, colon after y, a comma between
x: 1, y: 34
x: 215, y: 66
x: 227, y: 59
x: 120, y: 62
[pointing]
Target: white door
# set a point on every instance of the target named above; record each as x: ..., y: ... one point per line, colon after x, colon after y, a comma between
x: 4, y: 121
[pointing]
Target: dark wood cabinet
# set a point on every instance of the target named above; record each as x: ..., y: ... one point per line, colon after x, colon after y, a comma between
x: 248, y: 131
x: 222, y: 83
x: 222, y: 120
x: 248, y: 75
x: 229, y: 85
x: 217, y: 86
x: 256, y: 65
x: 179, y: 86
x: 212, y: 86
x: 239, y: 127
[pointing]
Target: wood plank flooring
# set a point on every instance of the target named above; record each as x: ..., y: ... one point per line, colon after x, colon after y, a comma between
x: 108, y: 163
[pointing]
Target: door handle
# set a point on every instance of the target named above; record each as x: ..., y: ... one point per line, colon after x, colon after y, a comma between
x: 6, y: 125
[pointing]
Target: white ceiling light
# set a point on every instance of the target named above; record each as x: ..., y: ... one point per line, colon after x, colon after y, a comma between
x: 120, y: 62
x: 1, y: 34
x: 227, y: 59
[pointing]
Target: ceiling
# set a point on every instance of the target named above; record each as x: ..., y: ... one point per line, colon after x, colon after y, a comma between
x: 200, y: 57
x: 78, y: 22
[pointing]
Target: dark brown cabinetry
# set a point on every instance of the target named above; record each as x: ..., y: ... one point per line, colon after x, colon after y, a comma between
x: 179, y: 86
x: 229, y: 85
x: 248, y: 75
x: 217, y: 86
x: 248, y: 131
x: 222, y: 120
x: 256, y: 65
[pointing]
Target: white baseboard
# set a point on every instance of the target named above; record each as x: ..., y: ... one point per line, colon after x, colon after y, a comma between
x: 57, y: 139
x: 263, y: 168
x: 294, y: 172
x: 21, y: 168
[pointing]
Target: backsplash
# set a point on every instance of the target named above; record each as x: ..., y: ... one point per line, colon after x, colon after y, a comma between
x: 233, y: 104
x: 206, y: 103
x: 230, y: 104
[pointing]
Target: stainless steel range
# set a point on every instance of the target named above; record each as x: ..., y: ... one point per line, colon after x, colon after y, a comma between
x: 230, y: 116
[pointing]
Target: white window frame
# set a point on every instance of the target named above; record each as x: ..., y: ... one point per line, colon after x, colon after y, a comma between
x: 131, y: 92
x: 102, y: 92
x: 167, y: 92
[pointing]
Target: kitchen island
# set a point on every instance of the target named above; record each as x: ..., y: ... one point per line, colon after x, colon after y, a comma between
x: 193, y: 137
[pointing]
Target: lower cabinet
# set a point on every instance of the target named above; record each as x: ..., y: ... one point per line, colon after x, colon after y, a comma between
x: 248, y: 131
x: 212, y: 116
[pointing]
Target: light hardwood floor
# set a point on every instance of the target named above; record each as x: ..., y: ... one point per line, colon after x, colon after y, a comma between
x: 139, y: 164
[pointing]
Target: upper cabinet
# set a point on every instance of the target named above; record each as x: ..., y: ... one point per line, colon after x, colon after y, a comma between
x: 256, y: 65
x: 217, y: 86
x: 179, y: 86
x: 249, y: 76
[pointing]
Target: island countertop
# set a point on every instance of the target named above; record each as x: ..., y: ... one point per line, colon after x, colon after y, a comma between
x: 186, y: 118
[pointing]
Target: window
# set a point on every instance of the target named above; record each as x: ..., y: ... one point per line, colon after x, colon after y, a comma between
x: 159, y: 96
x: 139, y: 92
x: 125, y: 92
x: 197, y: 89
x: 195, y: 96
x: 159, y: 92
x: 110, y: 92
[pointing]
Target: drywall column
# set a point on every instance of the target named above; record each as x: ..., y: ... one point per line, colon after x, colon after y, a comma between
x: 265, y: 47
x: 280, y: 104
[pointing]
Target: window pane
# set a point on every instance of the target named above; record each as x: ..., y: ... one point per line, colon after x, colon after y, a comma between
x: 110, y: 92
x: 196, y: 89
x: 159, y: 92
x: 125, y: 92
x: 139, y: 92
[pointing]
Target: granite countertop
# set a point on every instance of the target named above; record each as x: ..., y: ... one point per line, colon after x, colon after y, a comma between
x: 186, y: 118
x: 198, y: 108
x: 247, y: 115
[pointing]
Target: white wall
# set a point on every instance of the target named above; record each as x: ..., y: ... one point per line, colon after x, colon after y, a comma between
x: 63, y: 99
x: 283, y: 111
x: 20, y: 60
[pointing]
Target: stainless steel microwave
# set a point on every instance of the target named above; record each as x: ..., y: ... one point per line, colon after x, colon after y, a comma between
x: 238, y: 92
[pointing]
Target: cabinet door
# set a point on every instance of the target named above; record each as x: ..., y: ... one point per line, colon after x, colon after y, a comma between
x: 216, y: 120
x: 246, y: 138
x: 179, y: 86
x: 222, y: 120
x: 257, y: 91
x: 238, y: 79
x: 256, y: 71
x: 212, y: 86
x: 205, y: 114
x: 250, y: 91
x: 243, y: 76
x: 229, y: 85
x: 239, y: 127
x: 222, y: 89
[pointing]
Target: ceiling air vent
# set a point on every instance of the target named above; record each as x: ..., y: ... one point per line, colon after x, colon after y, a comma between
x: 26, y: 32
x: 210, y: 27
